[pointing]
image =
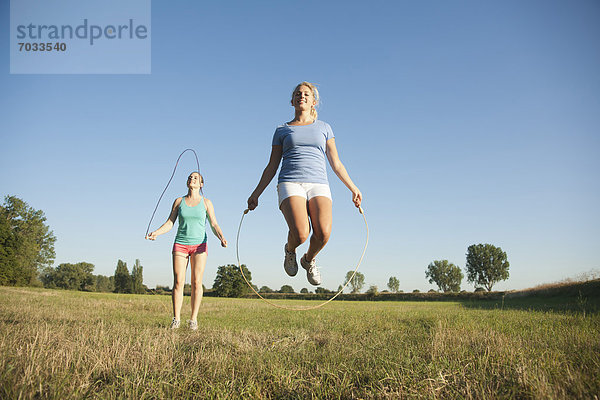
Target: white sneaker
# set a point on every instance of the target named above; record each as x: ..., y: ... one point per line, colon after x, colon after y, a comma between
x: 193, y: 325
x: 175, y: 323
x: 312, y: 272
x: 289, y: 263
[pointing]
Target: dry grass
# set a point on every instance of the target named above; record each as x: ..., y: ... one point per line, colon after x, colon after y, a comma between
x: 588, y: 276
x: 58, y: 344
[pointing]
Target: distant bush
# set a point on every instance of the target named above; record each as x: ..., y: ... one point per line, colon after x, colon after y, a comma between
x: 162, y: 289
x: 321, y: 290
x: 70, y: 276
x: 414, y: 296
x: 230, y: 283
x: 286, y: 289
x: 373, y: 290
x: 266, y: 289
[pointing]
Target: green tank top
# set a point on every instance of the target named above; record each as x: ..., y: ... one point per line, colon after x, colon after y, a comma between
x: 192, y: 223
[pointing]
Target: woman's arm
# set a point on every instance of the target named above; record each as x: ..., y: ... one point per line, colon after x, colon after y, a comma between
x: 214, y: 226
x: 267, y: 176
x: 166, y: 227
x: 340, y: 171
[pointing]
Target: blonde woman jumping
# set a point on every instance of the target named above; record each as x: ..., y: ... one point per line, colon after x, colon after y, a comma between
x: 303, y: 189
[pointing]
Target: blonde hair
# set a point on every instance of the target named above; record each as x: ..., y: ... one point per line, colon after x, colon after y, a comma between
x: 313, y: 87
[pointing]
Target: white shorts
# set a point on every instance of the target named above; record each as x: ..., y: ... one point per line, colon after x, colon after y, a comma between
x: 306, y: 190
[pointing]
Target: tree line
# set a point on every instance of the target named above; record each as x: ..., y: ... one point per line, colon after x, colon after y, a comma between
x: 486, y: 265
x: 80, y: 276
x: 27, y: 253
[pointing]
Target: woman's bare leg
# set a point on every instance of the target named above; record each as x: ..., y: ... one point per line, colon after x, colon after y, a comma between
x: 320, y: 217
x: 197, y: 262
x: 180, y: 261
x: 295, y: 211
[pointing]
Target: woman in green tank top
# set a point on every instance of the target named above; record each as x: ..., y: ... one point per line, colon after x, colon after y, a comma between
x: 190, y: 244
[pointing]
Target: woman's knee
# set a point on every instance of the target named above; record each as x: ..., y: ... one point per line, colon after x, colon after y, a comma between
x: 197, y: 284
x: 322, y: 234
x: 301, y: 235
x: 178, y: 282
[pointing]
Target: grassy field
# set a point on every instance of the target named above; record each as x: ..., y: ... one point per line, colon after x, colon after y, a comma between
x: 60, y: 344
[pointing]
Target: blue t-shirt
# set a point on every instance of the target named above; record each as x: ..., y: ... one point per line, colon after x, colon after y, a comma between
x: 304, y: 152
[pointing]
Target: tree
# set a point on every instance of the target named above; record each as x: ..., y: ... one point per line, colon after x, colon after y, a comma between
x: 26, y: 243
x: 286, y: 289
x: 137, y: 278
x: 323, y: 290
x: 163, y: 289
x: 229, y: 281
x: 357, y: 282
x: 486, y: 265
x: 105, y: 283
x: 266, y: 289
x: 393, y: 284
x: 122, y: 278
x: 304, y: 290
x: 373, y: 290
x: 445, y: 274
x: 70, y: 276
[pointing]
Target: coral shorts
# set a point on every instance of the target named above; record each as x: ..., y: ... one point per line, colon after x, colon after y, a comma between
x: 189, y: 249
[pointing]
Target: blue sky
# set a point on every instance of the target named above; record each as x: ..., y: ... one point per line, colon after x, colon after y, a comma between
x: 461, y: 122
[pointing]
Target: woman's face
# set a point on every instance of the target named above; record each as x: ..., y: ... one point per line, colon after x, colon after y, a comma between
x: 194, y: 180
x: 303, y: 98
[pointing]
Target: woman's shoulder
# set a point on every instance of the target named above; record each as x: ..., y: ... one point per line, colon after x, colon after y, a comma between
x: 282, y: 130
x: 323, y: 124
x: 177, y: 202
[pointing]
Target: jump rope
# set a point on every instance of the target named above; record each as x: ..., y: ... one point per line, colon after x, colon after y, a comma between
x: 301, y: 308
x: 168, y: 183
x: 237, y: 243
